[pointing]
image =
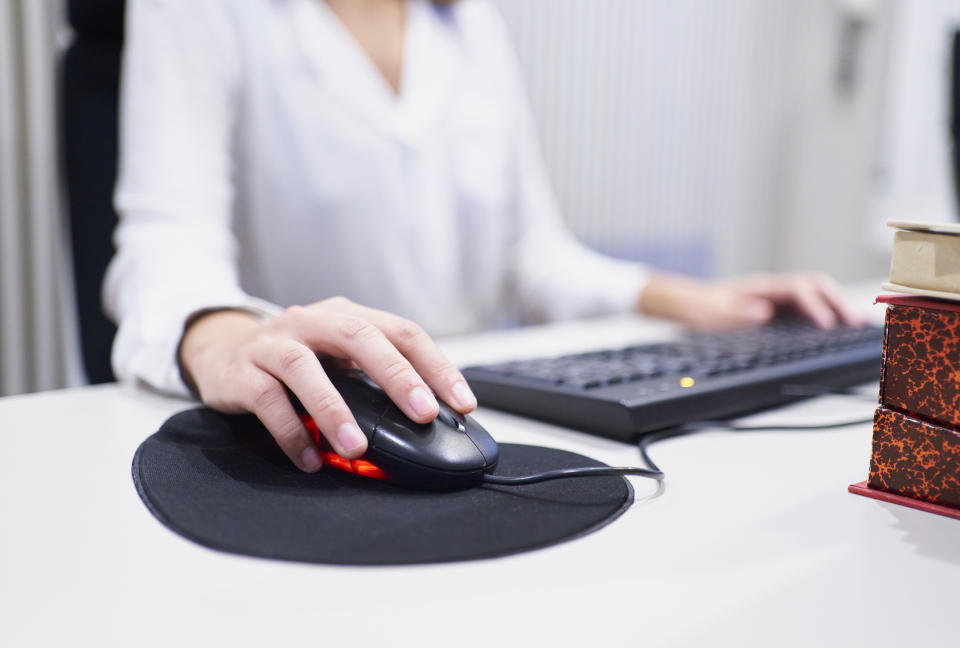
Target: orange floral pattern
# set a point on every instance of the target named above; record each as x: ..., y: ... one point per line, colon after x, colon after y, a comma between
x: 921, y: 365
x: 915, y: 458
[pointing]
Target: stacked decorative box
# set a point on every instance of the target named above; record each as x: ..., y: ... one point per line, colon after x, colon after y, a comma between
x: 915, y: 460
x: 916, y: 442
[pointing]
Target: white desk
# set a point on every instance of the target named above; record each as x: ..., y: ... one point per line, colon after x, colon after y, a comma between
x: 755, y: 541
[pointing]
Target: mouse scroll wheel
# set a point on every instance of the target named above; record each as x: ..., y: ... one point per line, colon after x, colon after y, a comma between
x: 448, y: 417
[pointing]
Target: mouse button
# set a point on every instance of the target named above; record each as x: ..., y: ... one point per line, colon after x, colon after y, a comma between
x: 434, y: 445
x: 355, y: 386
x: 366, y: 404
x: 451, y: 417
x: 484, y: 442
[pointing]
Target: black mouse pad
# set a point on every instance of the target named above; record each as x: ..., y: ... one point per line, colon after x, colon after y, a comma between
x: 221, y: 481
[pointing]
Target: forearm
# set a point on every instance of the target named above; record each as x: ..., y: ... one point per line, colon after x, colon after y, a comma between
x: 746, y: 301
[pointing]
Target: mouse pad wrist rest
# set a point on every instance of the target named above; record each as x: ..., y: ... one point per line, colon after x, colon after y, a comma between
x: 221, y: 481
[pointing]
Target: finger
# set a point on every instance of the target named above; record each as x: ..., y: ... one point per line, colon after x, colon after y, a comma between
x: 753, y: 311
x: 727, y: 310
x: 353, y: 337
x: 425, y: 356
x: 299, y: 369
x: 268, y: 400
x: 838, y: 301
x: 798, y: 291
x: 811, y: 303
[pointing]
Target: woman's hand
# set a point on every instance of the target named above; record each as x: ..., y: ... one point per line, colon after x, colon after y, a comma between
x: 240, y: 364
x: 747, y: 301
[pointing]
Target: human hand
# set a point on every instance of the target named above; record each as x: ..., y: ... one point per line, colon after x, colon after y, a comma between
x: 240, y: 364
x: 747, y: 301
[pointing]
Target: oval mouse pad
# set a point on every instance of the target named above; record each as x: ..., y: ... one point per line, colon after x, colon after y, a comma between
x: 221, y: 481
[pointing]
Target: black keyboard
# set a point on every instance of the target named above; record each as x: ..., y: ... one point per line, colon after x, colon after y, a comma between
x: 623, y: 393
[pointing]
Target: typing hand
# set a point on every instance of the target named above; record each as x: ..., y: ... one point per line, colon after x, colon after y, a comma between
x: 747, y: 301
x: 240, y: 364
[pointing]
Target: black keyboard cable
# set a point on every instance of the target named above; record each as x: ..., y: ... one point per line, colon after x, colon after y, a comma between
x: 693, y: 427
x: 652, y: 471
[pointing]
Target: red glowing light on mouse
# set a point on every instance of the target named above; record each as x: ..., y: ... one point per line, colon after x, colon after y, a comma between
x: 356, y: 466
x: 336, y: 461
x: 367, y: 469
x: 332, y: 459
x: 311, y: 426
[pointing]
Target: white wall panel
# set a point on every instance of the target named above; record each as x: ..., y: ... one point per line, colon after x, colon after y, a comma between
x: 669, y: 128
x: 14, y: 261
x: 914, y: 175
x: 37, y: 341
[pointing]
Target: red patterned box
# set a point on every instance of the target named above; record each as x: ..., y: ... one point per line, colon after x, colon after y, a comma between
x: 921, y: 359
x: 916, y: 443
x: 915, y: 458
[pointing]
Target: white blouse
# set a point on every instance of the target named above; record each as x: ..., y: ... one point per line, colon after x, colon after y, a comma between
x: 265, y: 162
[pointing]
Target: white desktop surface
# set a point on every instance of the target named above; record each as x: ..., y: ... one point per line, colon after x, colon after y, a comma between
x: 755, y: 541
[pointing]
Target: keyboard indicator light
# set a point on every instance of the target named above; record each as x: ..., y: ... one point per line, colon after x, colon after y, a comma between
x: 686, y: 381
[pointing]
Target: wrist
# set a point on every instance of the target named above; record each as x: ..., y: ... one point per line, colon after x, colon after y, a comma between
x: 205, y: 334
x: 668, y: 296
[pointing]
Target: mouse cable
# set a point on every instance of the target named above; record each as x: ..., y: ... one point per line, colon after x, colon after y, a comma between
x: 790, y: 389
x: 696, y: 426
x: 563, y: 473
x: 653, y: 471
x: 692, y: 427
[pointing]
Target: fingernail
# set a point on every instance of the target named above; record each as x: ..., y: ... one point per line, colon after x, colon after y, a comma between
x: 759, y: 312
x: 350, y: 437
x: 857, y: 318
x: 464, y: 397
x: 422, y: 402
x: 311, y: 460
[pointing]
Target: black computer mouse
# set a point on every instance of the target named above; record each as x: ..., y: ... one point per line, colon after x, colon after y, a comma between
x: 452, y: 452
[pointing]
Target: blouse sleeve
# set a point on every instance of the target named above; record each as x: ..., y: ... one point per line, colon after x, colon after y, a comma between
x: 554, y: 274
x: 176, y: 253
x: 557, y: 275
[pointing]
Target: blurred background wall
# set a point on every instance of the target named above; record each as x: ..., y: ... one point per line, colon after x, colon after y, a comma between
x: 913, y: 175
x: 701, y: 136
x: 712, y: 137
x: 37, y: 324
